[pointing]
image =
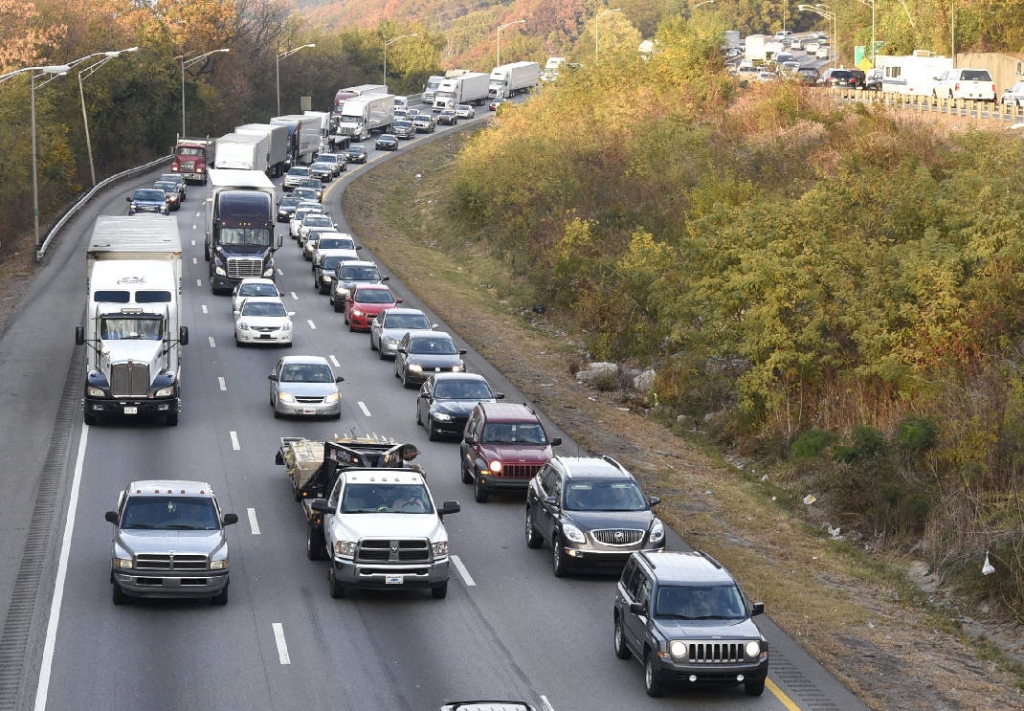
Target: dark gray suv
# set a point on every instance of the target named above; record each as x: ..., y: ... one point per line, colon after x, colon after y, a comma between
x: 684, y: 618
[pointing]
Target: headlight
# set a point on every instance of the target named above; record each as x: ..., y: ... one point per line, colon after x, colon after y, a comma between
x: 442, y: 417
x: 327, y: 278
x: 415, y: 367
x: 341, y: 291
x: 164, y: 392
x: 123, y: 563
x: 753, y: 649
x: 332, y: 398
x: 95, y: 392
x: 218, y: 565
x: 458, y: 368
x: 286, y: 397
x: 219, y: 271
x: 358, y: 313
x: 495, y: 466
x: 345, y: 549
x: 657, y: 531
x: 573, y: 534
x: 243, y: 326
x: 679, y: 650
x: 268, y: 272
x: 440, y: 549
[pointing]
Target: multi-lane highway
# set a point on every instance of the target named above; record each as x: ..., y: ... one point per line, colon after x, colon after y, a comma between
x: 507, y: 629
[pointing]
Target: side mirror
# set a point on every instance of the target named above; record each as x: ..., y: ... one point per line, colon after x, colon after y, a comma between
x: 359, y: 246
x: 469, y: 439
x: 272, y: 377
x: 111, y: 516
x: 229, y: 518
x: 654, y: 500
x: 399, y: 301
x: 183, y: 335
x: 236, y: 312
x: 291, y: 313
x: 321, y: 506
x: 79, y: 335
x: 128, y: 199
x: 637, y: 608
x: 463, y: 351
x: 385, y: 278
x: 499, y: 396
x: 551, y: 501
x: 757, y: 609
x: 448, y: 507
x: 555, y: 441
x: 339, y: 379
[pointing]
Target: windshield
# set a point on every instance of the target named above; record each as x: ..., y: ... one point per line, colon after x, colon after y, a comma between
x: 306, y: 373
x: 245, y: 236
x: 604, y: 496
x: 176, y: 514
x: 699, y: 602
x: 167, y: 187
x: 433, y: 345
x: 329, y: 264
x: 148, y: 195
x: 258, y: 290
x: 336, y: 243
x: 190, y: 151
x: 386, y: 498
x: 406, y: 321
x: 304, y: 172
x: 317, y: 219
x: 359, y: 274
x: 514, y: 433
x: 373, y: 296
x: 462, y: 390
x: 122, y: 328
x: 263, y: 308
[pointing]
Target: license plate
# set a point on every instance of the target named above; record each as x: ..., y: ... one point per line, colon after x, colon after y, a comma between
x: 393, y: 579
x: 131, y: 410
x: 308, y: 411
x: 265, y: 335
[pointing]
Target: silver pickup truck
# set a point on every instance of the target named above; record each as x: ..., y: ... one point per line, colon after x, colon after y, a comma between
x: 169, y: 542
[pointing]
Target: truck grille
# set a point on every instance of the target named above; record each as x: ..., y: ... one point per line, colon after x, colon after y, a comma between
x: 241, y: 267
x: 519, y: 471
x: 401, y: 551
x: 716, y: 652
x: 171, y: 561
x: 129, y: 380
x: 187, y: 166
x: 618, y: 536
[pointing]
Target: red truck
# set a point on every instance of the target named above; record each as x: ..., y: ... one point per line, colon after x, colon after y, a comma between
x: 193, y: 157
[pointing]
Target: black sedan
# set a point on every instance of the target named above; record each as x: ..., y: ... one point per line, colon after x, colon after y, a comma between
x: 423, y: 353
x: 446, y: 399
x: 386, y: 142
x: 355, y: 153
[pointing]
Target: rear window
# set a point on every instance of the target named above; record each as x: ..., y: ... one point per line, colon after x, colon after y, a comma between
x: 977, y: 75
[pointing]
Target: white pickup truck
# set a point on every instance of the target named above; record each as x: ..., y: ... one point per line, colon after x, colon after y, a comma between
x: 960, y: 83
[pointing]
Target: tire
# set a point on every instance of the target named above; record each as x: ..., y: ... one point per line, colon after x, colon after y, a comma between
x: 533, y: 537
x: 172, y: 419
x: 467, y: 476
x: 619, y: 641
x: 480, y: 494
x: 652, y: 686
x: 372, y: 347
x: 336, y: 305
x: 558, y: 565
x: 337, y: 589
x: 238, y: 343
x: 419, y: 420
x: 351, y: 327
x: 753, y: 688
x: 277, y: 415
x: 441, y: 591
x: 406, y: 383
x: 221, y: 598
x: 314, y: 543
x: 90, y: 419
x: 119, y: 597
x: 432, y: 434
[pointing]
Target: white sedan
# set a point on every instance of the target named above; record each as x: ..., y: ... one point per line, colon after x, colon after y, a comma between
x: 262, y: 320
x: 253, y: 286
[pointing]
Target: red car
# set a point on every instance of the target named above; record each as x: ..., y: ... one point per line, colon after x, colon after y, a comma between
x: 364, y: 302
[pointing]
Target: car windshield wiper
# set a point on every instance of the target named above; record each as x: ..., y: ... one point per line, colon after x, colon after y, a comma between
x: 143, y: 526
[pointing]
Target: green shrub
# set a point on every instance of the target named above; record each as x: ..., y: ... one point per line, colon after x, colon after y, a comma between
x: 812, y: 443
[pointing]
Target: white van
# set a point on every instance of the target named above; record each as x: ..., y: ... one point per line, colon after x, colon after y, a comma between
x: 401, y: 102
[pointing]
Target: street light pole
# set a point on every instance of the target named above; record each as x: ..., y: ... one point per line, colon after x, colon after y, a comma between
x: 277, y: 74
x: 189, y: 63
x: 85, y: 74
x: 597, y: 26
x: 507, y: 24
x: 822, y: 10
x: 388, y: 43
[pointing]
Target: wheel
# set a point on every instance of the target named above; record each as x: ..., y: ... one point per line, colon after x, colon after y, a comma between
x: 396, y: 368
x: 533, y: 537
x: 406, y: 383
x: 558, y: 565
x: 314, y: 542
x: 372, y: 347
x: 432, y: 434
x: 220, y: 598
x: 172, y: 419
x: 479, y: 492
x: 380, y: 354
x: 419, y: 420
x: 753, y: 688
x: 337, y: 589
x: 467, y: 476
x: 441, y: 591
x: 119, y: 596
x: 651, y: 685
x: 619, y: 640
x: 338, y: 308
x: 90, y: 419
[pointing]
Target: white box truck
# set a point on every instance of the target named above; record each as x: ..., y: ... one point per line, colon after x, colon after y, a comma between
x: 243, y: 151
x: 469, y: 88
x: 132, y: 332
x: 324, y: 127
x: 754, y: 48
x: 278, y: 149
x: 363, y: 115
x: 507, y: 80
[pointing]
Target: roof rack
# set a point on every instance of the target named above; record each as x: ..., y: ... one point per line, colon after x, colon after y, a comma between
x: 614, y: 463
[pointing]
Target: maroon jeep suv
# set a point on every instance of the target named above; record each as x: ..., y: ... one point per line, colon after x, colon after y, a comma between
x: 503, y: 446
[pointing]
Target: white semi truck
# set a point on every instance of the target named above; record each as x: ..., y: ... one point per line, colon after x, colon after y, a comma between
x: 303, y: 134
x: 278, y: 148
x: 469, y: 88
x: 363, y: 115
x: 507, y: 80
x: 243, y: 151
x: 133, y: 333
x: 430, y: 90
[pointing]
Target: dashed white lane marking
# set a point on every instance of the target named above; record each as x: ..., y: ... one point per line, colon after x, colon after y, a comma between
x: 195, y: 261
x: 203, y: 307
x: 547, y: 704
x: 282, y: 646
x: 334, y: 361
x: 223, y: 384
x: 253, y: 523
x: 466, y: 577
x: 199, y: 282
x: 280, y: 273
x: 295, y: 296
x: 311, y: 324
x: 234, y: 441
x: 213, y: 343
x: 193, y: 241
x: 362, y: 406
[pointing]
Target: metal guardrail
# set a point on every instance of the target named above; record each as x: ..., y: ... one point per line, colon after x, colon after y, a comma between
x: 130, y: 173
x: 967, y: 108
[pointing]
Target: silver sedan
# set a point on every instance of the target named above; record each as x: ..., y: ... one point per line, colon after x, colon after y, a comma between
x: 305, y: 386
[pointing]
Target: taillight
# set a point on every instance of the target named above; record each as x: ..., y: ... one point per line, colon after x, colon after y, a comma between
x: 956, y: 87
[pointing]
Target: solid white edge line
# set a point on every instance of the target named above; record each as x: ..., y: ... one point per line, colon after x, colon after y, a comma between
x: 253, y: 523
x: 282, y: 646
x: 364, y: 408
x: 43, y: 686
x: 334, y: 361
x: 234, y: 441
x: 220, y: 381
x: 466, y: 577
x: 547, y: 704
